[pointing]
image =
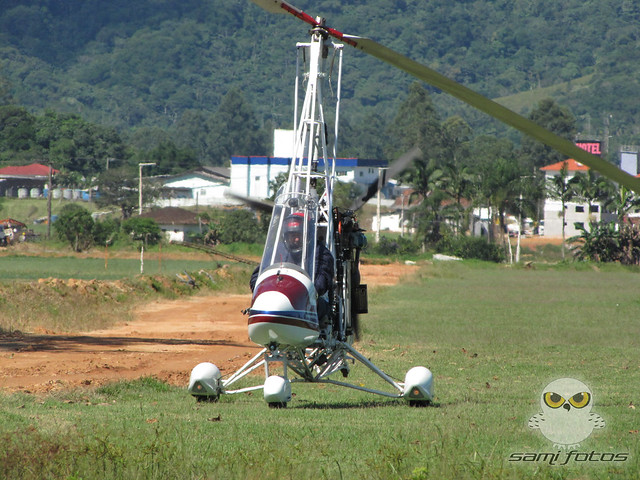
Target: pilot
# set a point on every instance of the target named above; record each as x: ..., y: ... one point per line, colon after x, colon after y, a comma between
x: 293, y: 238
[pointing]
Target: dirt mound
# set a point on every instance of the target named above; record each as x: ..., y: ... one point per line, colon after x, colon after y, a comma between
x: 166, y: 340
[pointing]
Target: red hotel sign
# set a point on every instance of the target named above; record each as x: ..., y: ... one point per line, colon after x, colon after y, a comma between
x: 589, y: 146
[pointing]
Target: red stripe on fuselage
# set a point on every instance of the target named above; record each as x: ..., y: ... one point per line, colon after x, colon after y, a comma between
x: 293, y: 289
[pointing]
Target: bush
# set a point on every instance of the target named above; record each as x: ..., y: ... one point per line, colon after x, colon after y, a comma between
x: 76, y: 226
x: 470, y: 247
x: 397, y: 246
x: 603, y: 242
x: 106, y: 231
x: 239, y: 226
x: 142, y: 229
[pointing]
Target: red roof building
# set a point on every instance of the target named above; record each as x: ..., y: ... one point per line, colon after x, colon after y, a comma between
x: 34, y: 170
x: 25, y: 180
x: 572, y: 166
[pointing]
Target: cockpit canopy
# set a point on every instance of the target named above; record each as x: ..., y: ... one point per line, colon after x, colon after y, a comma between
x: 292, y: 233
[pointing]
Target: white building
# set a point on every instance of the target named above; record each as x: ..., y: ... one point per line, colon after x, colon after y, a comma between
x: 176, y: 223
x: 252, y: 176
x: 577, y: 213
x: 203, y: 186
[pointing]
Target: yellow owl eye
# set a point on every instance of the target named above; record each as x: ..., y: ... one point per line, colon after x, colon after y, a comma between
x: 580, y: 400
x: 553, y: 400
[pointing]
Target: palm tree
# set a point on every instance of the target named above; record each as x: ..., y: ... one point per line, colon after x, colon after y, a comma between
x: 592, y: 188
x: 458, y: 182
x: 561, y: 187
x: 427, y: 178
x: 622, y: 202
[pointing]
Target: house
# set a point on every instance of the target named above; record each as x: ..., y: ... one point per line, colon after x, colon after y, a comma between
x: 26, y: 181
x: 202, y: 186
x: 176, y: 223
x: 577, y: 213
x: 396, y: 217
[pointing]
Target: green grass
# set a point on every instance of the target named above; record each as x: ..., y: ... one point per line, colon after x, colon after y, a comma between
x: 78, y: 294
x: 494, y: 336
x: 20, y: 267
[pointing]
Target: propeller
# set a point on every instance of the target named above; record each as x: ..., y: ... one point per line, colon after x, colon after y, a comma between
x: 264, y: 206
x: 464, y: 94
x: 397, y: 166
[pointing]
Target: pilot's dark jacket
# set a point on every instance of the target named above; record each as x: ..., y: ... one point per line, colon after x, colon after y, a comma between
x: 324, y: 270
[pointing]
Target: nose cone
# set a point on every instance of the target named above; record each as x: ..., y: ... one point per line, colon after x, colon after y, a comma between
x: 283, y: 310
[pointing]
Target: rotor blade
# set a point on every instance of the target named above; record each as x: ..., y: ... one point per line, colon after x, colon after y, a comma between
x: 279, y: 6
x: 467, y: 95
x: 397, y: 166
x: 261, y: 205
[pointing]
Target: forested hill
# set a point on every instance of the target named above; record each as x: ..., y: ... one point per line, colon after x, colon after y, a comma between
x: 146, y: 62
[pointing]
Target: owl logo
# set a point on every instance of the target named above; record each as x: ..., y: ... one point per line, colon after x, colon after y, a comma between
x: 566, y: 417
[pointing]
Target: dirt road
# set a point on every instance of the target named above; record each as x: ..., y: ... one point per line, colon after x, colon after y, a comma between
x: 166, y: 340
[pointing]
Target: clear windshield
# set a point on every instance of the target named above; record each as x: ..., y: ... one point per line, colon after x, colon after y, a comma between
x: 292, y: 233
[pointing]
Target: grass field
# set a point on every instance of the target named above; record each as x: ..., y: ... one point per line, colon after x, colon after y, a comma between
x: 493, y: 336
x: 18, y: 267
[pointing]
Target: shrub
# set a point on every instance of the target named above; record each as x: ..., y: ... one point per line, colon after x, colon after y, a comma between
x: 142, y: 229
x: 106, y: 231
x: 470, y: 247
x: 239, y: 226
x: 397, y: 246
x: 76, y: 226
x: 603, y: 242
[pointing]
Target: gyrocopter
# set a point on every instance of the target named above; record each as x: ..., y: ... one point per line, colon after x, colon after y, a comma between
x: 307, y: 292
x: 308, y: 335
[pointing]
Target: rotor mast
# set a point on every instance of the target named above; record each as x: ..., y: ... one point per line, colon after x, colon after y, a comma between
x: 311, y: 160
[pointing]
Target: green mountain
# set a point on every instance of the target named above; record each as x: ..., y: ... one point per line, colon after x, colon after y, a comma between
x: 152, y: 63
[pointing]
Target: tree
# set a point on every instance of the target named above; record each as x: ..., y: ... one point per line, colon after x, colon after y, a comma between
x: 416, y: 124
x: 73, y: 144
x: 143, y: 229
x: 561, y: 187
x: 119, y: 187
x: 622, y: 202
x: 193, y: 131
x: 555, y: 118
x: 17, y: 130
x: 75, y: 225
x: 236, y: 130
x: 426, y: 178
x: 5, y: 91
x: 239, y: 226
x: 170, y: 159
x: 455, y: 139
x: 364, y: 140
x: 459, y: 182
x: 592, y: 188
x: 499, y: 176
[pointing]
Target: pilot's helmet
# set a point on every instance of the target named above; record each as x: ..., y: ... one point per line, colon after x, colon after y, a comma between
x: 294, y: 232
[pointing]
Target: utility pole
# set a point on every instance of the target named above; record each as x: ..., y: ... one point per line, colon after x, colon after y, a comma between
x: 380, y: 183
x: 402, y: 217
x: 50, y: 183
x: 140, y: 165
